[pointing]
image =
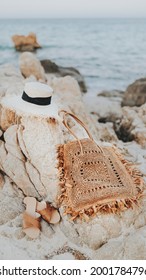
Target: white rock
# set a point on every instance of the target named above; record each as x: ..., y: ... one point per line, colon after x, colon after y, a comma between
x: 135, y: 245
x: 7, y: 118
x: 105, y: 237
x: 11, y: 144
x: 113, y: 250
x: 10, y: 202
x: 104, y: 107
x: 65, y: 256
x: 95, y: 233
x: 30, y: 65
x: 134, y: 121
x: 11, y: 80
x: 15, y: 169
x: 34, y: 176
x: 41, y: 140
x: 3, y: 154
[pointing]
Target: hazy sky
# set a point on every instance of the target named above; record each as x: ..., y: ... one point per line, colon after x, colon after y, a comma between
x: 72, y: 8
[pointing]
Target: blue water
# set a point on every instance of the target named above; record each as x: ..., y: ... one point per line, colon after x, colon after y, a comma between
x: 110, y: 53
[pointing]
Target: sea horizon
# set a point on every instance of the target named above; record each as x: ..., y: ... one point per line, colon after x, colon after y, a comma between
x: 102, y: 17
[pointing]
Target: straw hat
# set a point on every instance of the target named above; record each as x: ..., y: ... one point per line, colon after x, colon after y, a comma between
x: 36, y: 99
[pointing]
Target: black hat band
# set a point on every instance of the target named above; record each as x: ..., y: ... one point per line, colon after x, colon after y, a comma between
x: 37, y: 100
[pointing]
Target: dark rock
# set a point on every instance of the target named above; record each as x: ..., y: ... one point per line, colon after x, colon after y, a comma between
x: 112, y: 93
x: 49, y: 66
x: 123, y: 131
x: 135, y: 95
x: 109, y: 118
x: 59, y: 71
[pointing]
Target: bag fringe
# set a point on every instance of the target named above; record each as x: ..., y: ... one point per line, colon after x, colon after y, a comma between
x: 131, y: 169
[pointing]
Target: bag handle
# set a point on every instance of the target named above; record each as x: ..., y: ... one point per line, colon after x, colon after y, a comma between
x: 78, y: 121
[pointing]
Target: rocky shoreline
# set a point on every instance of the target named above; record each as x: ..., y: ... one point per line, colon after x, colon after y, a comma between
x: 110, y: 236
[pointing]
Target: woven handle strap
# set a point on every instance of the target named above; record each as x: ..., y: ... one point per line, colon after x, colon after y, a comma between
x: 65, y: 113
x: 77, y: 120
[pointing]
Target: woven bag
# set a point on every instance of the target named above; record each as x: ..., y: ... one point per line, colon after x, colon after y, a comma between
x: 95, y: 179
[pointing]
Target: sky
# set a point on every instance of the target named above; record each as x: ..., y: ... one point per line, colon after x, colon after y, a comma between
x: 72, y: 8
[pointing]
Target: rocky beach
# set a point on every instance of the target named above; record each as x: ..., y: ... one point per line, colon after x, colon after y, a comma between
x: 28, y: 161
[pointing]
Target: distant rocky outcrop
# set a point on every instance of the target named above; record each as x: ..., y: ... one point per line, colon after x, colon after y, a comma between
x: 52, y: 68
x: 135, y: 95
x: 26, y: 43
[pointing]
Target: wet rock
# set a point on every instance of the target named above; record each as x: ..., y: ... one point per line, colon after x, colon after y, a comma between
x: 26, y: 43
x: 59, y: 71
x: 49, y: 66
x: 135, y: 95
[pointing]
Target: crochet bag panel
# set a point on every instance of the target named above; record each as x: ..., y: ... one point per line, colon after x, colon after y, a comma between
x: 96, y: 179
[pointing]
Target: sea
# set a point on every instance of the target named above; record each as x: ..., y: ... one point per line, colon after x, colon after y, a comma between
x: 109, y: 53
